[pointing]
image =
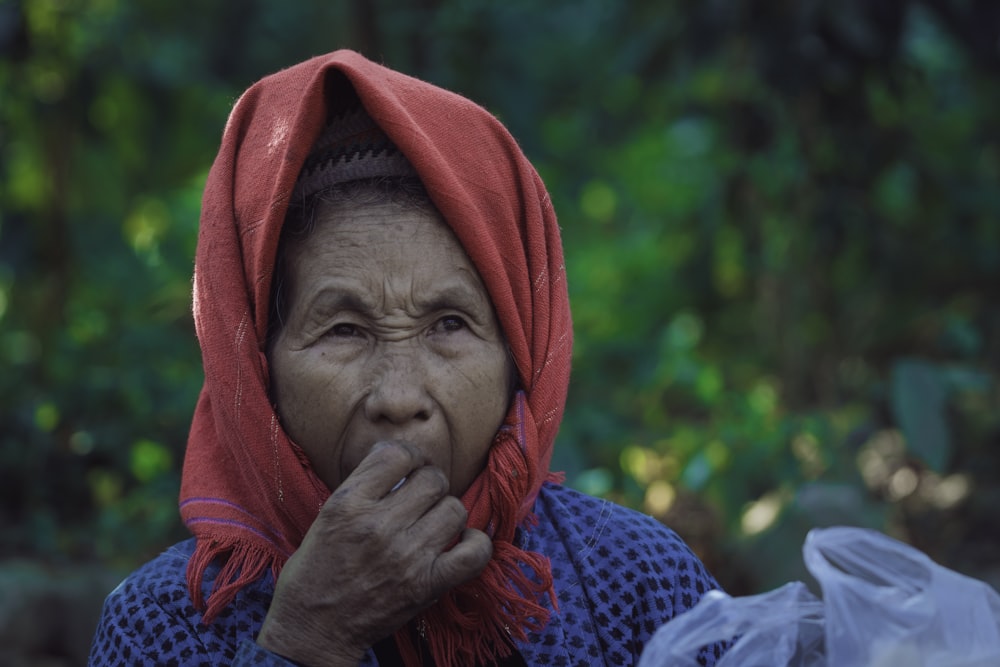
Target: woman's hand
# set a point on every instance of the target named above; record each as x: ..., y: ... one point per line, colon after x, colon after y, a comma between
x: 375, y: 556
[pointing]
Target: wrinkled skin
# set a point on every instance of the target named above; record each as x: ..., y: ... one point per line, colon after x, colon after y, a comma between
x: 371, y: 561
x: 391, y: 373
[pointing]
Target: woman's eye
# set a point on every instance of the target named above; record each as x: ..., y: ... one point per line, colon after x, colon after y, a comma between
x: 452, y: 323
x: 344, y: 330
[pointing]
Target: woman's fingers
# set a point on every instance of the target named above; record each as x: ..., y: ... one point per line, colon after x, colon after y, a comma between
x: 379, y: 552
x: 382, y: 469
x: 440, y: 526
x: 461, y: 563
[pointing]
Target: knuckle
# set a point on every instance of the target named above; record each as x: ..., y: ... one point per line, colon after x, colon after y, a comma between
x: 446, y: 574
x: 415, y: 593
x: 348, y: 522
x: 454, y: 507
x: 415, y: 586
x: 390, y: 451
x: 340, y: 497
x: 344, y: 501
x: 366, y: 525
x: 433, y: 481
x: 443, y: 485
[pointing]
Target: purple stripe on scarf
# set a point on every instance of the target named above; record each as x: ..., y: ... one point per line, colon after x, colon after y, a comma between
x: 232, y: 522
x: 522, y: 437
x: 275, y: 534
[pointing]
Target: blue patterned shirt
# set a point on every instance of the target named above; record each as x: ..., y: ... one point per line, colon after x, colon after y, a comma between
x: 618, y: 575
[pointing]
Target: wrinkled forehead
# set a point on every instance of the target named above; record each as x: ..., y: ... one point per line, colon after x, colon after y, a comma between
x: 386, y: 247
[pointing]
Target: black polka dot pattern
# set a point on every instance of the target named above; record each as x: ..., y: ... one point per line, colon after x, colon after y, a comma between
x: 619, y: 575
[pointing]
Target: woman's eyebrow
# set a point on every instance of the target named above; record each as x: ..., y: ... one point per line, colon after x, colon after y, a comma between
x: 338, y: 298
x: 460, y: 295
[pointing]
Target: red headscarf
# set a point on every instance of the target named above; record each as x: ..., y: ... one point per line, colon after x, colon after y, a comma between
x: 248, y: 493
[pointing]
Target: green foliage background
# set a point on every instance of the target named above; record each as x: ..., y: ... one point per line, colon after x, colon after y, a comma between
x: 782, y: 230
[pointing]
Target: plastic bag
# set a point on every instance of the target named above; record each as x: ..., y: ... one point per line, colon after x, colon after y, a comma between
x: 783, y: 627
x: 885, y: 604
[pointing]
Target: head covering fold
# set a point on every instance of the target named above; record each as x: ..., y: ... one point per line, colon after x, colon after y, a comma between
x: 248, y: 494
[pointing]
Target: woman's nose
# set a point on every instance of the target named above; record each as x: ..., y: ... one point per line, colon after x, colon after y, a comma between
x: 399, y: 392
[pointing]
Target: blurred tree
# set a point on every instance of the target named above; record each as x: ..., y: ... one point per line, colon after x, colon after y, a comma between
x: 782, y: 228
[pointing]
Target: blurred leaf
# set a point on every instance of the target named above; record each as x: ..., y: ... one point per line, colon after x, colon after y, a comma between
x: 596, y: 481
x: 46, y: 417
x: 149, y: 460
x: 896, y: 193
x: 919, y: 401
x: 598, y: 201
x: 960, y: 378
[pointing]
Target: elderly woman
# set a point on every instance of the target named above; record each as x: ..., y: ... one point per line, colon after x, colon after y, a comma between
x: 381, y: 304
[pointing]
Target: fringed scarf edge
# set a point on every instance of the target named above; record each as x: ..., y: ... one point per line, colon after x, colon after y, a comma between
x: 481, y: 620
x: 243, y: 562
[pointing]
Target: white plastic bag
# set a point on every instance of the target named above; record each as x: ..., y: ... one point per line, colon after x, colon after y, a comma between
x: 783, y: 627
x: 884, y: 600
x: 884, y: 604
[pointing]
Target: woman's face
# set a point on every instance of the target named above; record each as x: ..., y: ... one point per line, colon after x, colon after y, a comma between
x: 389, y: 335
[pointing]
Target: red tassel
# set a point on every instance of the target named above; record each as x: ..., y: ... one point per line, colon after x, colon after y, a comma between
x: 480, y: 621
x: 476, y: 623
x: 244, y: 563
